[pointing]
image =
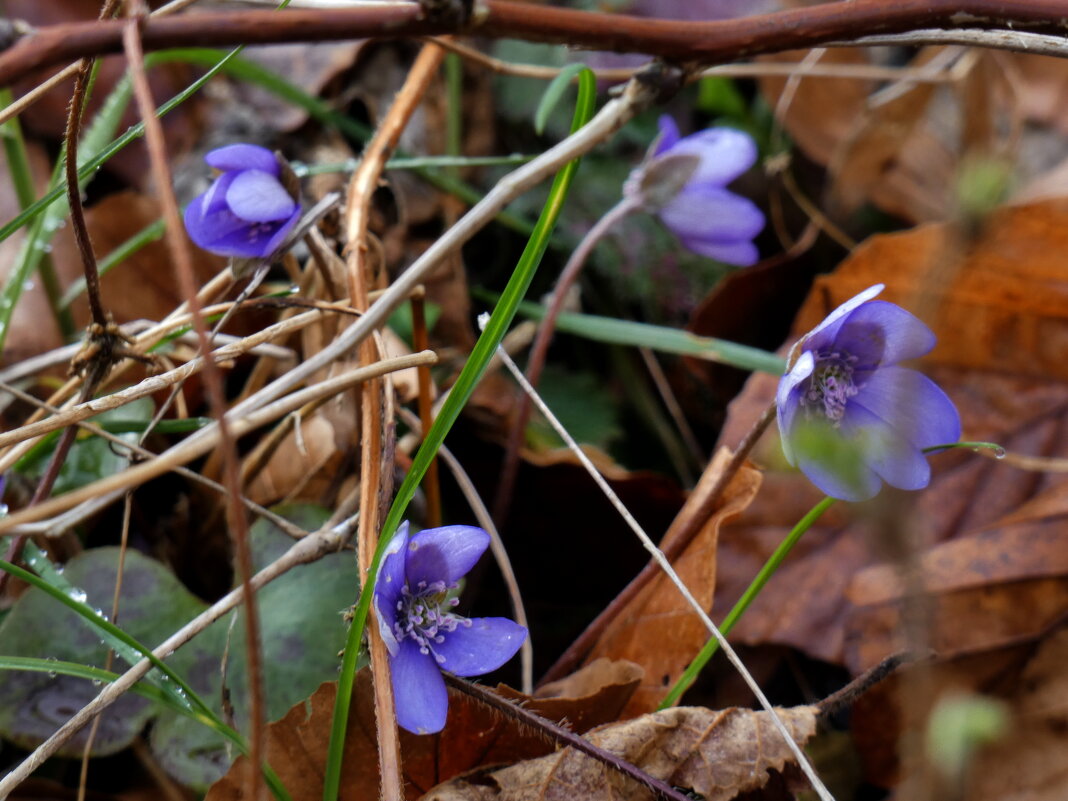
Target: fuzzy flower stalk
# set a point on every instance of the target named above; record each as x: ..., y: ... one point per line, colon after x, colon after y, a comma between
x: 849, y: 416
x: 248, y: 210
x: 414, y: 596
x: 684, y: 181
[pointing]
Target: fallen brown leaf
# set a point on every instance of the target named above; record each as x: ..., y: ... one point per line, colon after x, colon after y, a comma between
x: 718, y: 754
x: 473, y: 736
x: 658, y: 629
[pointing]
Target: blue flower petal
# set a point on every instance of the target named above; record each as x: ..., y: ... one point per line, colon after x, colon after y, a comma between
x: 206, y: 230
x: 419, y: 693
x: 389, y: 585
x: 444, y: 554
x: 912, y: 404
x: 276, y: 241
x: 711, y: 214
x: 214, y: 200
x: 900, y: 463
x: 882, y: 333
x: 857, y: 482
x: 740, y: 254
x: 244, y: 157
x: 788, y: 399
x: 250, y: 241
x: 483, y: 646
x: 724, y: 152
x: 257, y: 196
x: 669, y: 135
x: 823, y: 334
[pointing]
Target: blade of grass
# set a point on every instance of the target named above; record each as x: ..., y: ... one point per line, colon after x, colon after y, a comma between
x: 461, y: 390
x: 657, y: 337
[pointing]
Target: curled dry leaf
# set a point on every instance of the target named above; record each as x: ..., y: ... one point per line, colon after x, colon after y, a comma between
x: 999, y: 306
x: 473, y: 736
x: 658, y: 629
x: 718, y: 754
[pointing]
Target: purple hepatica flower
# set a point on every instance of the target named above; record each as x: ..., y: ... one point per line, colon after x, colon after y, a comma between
x: 850, y: 418
x: 414, y: 594
x: 684, y: 180
x: 246, y: 212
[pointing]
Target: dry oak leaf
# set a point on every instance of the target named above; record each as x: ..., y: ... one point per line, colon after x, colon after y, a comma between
x: 999, y: 306
x: 474, y: 735
x: 658, y: 629
x: 718, y: 754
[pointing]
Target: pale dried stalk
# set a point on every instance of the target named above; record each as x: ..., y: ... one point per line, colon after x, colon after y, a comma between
x: 309, y: 549
x: 192, y: 475
x: 193, y: 447
x: 152, y: 384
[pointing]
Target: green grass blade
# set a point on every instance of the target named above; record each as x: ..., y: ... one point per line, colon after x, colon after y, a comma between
x: 476, y: 365
x: 661, y: 338
x: 552, y: 95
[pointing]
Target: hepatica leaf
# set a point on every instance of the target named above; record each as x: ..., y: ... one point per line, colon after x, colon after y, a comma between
x: 301, y: 626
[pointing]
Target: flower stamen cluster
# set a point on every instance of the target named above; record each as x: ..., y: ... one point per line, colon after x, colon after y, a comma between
x: 421, y: 616
x: 831, y: 386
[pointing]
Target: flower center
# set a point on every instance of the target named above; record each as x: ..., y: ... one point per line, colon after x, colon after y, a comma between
x: 830, y: 386
x: 423, y: 616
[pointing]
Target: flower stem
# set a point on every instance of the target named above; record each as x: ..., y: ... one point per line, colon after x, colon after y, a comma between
x: 751, y: 592
x: 538, y: 351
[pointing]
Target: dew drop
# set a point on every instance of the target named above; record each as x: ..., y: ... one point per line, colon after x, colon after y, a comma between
x: 999, y: 452
x: 78, y: 595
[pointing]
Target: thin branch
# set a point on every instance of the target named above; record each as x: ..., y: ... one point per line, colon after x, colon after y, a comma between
x: 564, y: 737
x: 193, y: 446
x: 683, y: 41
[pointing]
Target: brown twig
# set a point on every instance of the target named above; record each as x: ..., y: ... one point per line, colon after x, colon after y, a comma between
x: 687, y: 524
x: 420, y: 341
x: 563, y: 737
x: 703, y: 42
x: 361, y: 188
x: 182, y: 259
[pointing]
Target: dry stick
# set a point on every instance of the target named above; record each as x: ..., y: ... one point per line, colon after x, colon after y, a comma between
x: 182, y: 259
x: 564, y: 737
x: 279, y: 521
x: 860, y: 72
x: 74, y: 192
x: 309, y: 549
x: 482, y: 515
x: 686, y: 41
x: 361, y: 189
x: 616, y: 113
x: 540, y: 349
x: 687, y: 525
x: 149, y: 385
x: 420, y: 341
x: 669, y: 571
x: 193, y: 446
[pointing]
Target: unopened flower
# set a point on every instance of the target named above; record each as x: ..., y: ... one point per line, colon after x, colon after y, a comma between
x: 849, y: 417
x: 246, y: 212
x: 414, y: 596
x: 683, y: 181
